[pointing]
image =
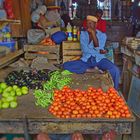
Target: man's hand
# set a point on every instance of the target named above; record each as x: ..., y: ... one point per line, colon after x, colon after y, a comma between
x: 91, y: 31
x: 92, y: 35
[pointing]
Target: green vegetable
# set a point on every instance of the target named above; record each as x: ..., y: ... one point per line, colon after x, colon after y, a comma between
x: 42, y: 98
x: 58, y: 79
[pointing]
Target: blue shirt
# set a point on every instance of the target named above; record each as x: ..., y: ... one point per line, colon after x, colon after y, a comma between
x: 88, y: 49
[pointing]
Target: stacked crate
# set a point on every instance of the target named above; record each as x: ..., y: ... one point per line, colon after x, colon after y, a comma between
x: 71, y: 51
x: 52, y: 53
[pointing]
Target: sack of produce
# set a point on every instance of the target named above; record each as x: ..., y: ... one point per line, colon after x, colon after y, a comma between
x: 58, y: 37
x: 35, y: 36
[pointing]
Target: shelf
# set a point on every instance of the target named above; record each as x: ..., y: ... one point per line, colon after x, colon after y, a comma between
x: 10, y: 21
x: 9, y: 58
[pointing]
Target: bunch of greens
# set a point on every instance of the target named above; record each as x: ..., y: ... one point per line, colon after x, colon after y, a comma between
x: 58, y: 79
x: 43, y: 98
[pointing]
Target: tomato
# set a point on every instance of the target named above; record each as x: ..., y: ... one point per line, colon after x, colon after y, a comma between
x: 92, y: 103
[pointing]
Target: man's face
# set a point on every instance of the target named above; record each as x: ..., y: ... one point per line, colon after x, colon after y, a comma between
x: 91, y: 24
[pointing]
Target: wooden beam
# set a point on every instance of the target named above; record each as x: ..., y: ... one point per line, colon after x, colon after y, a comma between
x: 4, y: 61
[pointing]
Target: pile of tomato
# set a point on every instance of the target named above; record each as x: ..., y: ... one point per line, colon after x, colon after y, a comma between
x: 92, y: 103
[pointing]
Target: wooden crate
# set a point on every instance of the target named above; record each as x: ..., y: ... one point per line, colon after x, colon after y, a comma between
x: 71, y: 51
x: 52, y: 52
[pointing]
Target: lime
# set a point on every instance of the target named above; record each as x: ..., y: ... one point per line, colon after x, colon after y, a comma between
x: 3, y: 100
x: 15, y: 98
x: 18, y: 93
x: 15, y: 87
x: 24, y: 88
x: 3, y: 85
x: 10, y: 98
x: 18, y: 89
x: 5, y: 105
x: 24, y: 91
x: 8, y: 89
x: 13, y: 104
x: 6, y: 94
x: 12, y: 93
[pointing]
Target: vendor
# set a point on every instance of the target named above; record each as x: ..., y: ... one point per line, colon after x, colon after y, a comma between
x: 92, y: 43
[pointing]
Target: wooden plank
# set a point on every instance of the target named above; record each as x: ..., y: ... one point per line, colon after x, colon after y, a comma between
x: 72, y: 52
x: 51, y: 61
x: 11, y: 21
x: 38, y: 47
x: 66, y: 127
x: 34, y: 55
x: 25, y: 16
x: 16, y: 29
x: 70, y: 58
x: 70, y: 45
x: 5, y: 60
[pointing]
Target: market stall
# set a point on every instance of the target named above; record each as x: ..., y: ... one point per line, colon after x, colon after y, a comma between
x: 37, y: 119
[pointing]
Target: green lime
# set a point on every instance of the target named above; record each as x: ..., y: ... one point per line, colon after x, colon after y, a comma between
x: 6, y: 94
x: 15, y: 87
x: 3, y: 100
x: 24, y: 91
x: 8, y: 89
x: 13, y: 104
x: 18, y: 89
x: 3, y: 85
x: 10, y: 98
x: 15, y: 98
x: 12, y: 93
x: 24, y: 88
x: 5, y: 105
x: 18, y: 93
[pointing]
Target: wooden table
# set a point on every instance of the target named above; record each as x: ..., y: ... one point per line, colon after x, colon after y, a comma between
x: 38, y: 119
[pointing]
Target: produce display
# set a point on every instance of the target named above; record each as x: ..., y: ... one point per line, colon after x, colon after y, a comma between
x: 92, y: 103
x: 58, y: 79
x: 9, y: 95
x: 52, y: 90
x: 31, y: 78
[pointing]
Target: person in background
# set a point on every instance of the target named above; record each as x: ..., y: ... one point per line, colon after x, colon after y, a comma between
x: 92, y: 43
x: 101, y: 24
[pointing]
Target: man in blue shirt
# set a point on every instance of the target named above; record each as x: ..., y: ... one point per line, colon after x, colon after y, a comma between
x: 92, y: 43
